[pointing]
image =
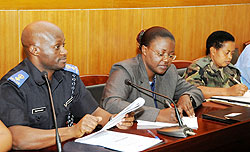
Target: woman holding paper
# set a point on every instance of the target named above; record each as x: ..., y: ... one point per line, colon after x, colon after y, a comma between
x: 152, y: 69
x: 214, y: 74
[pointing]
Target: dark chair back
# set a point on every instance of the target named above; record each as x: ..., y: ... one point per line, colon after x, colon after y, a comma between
x: 96, y: 91
x: 95, y: 84
x: 181, y: 66
x: 235, y: 56
x: 94, y: 79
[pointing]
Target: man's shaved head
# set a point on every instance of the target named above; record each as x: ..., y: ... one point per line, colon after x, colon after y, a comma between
x: 33, y: 33
x: 43, y: 43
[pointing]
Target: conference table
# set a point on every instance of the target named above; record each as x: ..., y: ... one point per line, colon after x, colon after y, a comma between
x: 210, y: 136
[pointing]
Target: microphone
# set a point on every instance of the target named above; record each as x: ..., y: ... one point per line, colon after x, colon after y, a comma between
x: 58, y: 139
x: 179, y: 131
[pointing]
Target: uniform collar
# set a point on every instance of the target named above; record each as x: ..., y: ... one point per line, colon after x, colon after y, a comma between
x: 36, y: 74
x: 214, y: 67
x: 227, y: 70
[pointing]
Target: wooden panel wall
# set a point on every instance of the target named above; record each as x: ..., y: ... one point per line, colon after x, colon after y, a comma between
x: 112, y: 37
x: 74, y: 24
x: 97, y: 38
x: 192, y: 25
x: 9, y: 41
x: 93, y: 4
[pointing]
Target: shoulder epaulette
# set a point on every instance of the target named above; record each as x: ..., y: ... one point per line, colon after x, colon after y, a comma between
x: 203, y: 62
x: 19, y: 78
x: 71, y: 68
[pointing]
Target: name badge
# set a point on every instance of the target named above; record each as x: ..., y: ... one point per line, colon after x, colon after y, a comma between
x: 37, y: 110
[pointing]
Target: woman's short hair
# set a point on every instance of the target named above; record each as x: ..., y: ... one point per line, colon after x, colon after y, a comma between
x: 216, y: 40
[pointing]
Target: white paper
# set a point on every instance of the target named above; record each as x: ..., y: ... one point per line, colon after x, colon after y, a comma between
x: 247, y: 94
x: 190, y: 122
x: 226, y: 102
x: 100, y: 137
x: 120, y: 141
x: 245, y: 98
x: 142, y: 124
x: 232, y: 114
x: 139, y: 102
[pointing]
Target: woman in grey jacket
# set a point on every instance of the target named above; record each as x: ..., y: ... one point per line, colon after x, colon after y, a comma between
x: 152, y: 69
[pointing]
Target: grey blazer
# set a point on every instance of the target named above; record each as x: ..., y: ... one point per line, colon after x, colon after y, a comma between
x: 117, y: 95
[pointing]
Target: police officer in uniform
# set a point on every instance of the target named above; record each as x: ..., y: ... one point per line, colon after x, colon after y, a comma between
x: 214, y: 74
x: 24, y: 97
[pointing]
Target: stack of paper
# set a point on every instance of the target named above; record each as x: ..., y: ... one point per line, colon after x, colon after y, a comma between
x: 190, y: 122
x: 142, y: 124
x: 120, y: 141
x: 239, y: 100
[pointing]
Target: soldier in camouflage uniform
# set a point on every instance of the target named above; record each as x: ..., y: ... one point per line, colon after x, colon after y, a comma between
x: 214, y: 74
x: 205, y: 73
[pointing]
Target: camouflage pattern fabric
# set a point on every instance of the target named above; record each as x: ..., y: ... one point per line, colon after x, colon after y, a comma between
x: 204, y: 73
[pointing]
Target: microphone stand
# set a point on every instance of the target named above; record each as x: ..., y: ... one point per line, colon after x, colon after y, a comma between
x: 58, y: 139
x: 177, y: 131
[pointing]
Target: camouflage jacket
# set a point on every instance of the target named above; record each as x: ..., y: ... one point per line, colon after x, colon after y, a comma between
x: 204, y: 73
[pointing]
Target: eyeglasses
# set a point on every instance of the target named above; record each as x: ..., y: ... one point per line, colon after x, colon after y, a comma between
x: 165, y: 55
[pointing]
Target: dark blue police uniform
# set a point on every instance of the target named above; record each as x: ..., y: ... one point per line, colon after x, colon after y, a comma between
x: 24, y: 97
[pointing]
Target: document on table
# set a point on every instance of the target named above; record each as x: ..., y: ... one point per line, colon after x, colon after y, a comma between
x: 245, y: 99
x: 222, y: 101
x: 142, y: 124
x: 190, y: 122
x: 120, y: 141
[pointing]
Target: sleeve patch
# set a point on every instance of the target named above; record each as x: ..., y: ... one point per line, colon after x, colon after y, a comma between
x: 19, y: 78
x: 71, y: 68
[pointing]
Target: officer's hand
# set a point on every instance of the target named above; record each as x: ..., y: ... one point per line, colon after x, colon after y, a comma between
x: 86, y: 125
x: 237, y: 90
x: 168, y: 115
x: 127, y: 121
x: 184, y: 103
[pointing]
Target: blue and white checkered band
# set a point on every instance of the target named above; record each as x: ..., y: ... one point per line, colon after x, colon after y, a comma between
x: 71, y: 68
x: 70, y: 116
x: 70, y: 119
x: 19, y: 78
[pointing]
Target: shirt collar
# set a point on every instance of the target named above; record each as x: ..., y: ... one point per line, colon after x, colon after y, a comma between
x: 214, y: 67
x: 223, y: 70
x: 37, y: 75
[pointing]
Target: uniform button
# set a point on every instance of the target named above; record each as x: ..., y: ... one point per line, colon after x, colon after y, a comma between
x: 38, y: 118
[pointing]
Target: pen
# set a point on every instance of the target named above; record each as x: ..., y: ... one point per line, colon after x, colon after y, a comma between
x: 236, y: 81
x: 152, y: 134
x: 169, y: 105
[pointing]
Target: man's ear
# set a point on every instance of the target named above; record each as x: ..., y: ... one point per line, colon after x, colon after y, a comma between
x: 33, y: 50
x: 144, y: 50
